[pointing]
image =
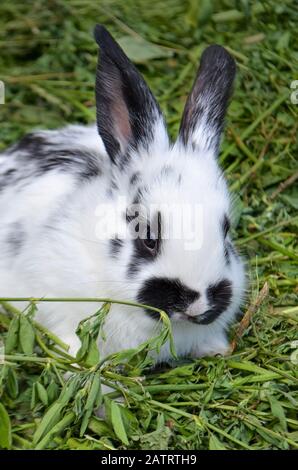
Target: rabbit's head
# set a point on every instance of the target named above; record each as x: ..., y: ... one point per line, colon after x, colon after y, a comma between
x: 176, y: 254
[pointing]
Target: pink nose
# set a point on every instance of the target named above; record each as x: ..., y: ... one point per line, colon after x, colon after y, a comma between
x: 197, y: 308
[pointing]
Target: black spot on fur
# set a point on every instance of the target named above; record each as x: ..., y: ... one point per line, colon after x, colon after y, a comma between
x: 232, y: 249
x: 139, y: 195
x: 115, y: 246
x: 219, y: 296
x: 227, y: 254
x: 169, y: 295
x: 133, y: 210
x: 30, y: 143
x: 134, y: 178
x: 79, y: 162
x: 15, y: 238
x: 9, y: 173
x: 225, y: 225
x: 44, y: 154
x: 7, y: 178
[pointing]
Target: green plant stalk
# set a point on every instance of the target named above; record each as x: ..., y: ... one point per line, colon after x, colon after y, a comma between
x: 246, y: 133
x: 277, y: 247
x: 272, y: 433
x: 243, y: 241
x: 57, y: 429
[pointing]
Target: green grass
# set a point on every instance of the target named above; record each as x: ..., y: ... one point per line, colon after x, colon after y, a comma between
x: 248, y: 400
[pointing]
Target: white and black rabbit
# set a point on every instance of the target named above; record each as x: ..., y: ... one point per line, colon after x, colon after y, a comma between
x: 54, y: 185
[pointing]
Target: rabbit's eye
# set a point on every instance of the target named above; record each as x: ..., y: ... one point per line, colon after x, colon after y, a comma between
x: 150, y: 241
x: 150, y: 244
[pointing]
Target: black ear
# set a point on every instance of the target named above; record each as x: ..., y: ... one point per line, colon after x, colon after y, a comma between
x: 205, y: 109
x: 127, y: 113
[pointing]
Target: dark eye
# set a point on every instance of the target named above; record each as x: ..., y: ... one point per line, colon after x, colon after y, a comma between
x: 150, y: 241
x: 150, y: 244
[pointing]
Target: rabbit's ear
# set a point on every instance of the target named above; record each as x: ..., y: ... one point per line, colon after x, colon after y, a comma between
x: 204, y: 112
x: 127, y: 113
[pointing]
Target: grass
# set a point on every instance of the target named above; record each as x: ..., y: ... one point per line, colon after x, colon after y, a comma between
x: 248, y: 400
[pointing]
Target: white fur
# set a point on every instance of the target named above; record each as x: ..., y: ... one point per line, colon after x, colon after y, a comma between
x: 61, y: 256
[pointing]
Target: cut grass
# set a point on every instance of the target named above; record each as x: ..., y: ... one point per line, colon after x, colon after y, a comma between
x: 245, y: 401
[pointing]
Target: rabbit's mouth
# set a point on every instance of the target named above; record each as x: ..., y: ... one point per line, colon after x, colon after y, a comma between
x: 207, y: 317
x: 175, y: 317
x: 178, y: 317
x: 202, y: 319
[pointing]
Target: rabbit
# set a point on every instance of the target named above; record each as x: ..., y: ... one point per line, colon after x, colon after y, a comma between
x: 67, y: 200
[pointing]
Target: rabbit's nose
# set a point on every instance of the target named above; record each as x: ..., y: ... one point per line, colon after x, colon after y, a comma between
x: 198, y: 307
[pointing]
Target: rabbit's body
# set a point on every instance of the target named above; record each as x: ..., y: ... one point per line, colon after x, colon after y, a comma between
x: 56, y: 188
x: 41, y: 234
